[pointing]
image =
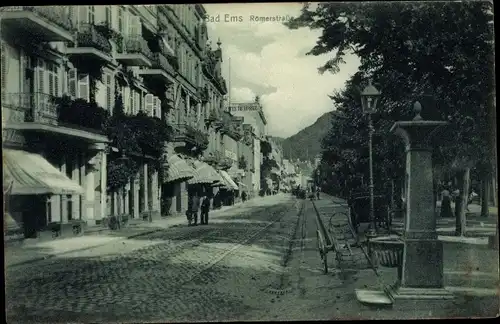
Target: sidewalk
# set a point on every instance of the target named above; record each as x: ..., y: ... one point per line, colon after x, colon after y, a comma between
x: 477, y: 231
x: 470, y: 268
x: 29, y: 251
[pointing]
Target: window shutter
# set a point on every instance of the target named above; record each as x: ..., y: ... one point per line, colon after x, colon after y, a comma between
x: 83, y: 86
x: 157, y: 112
x: 134, y: 24
x: 4, y: 71
x: 137, y: 102
x: 149, y: 104
x: 50, y: 74
x: 41, y: 76
x: 56, y: 81
x: 109, y: 92
x: 126, y: 103
x: 131, y: 101
x: 91, y: 14
x: 121, y: 17
x: 72, y: 82
x: 109, y: 15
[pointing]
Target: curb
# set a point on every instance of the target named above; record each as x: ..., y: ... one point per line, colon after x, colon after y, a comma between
x: 50, y: 256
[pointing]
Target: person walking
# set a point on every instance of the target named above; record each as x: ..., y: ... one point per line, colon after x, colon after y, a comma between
x: 317, y: 192
x: 446, y: 211
x: 194, y: 210
x: 472, y: 195
x: 188, y: 211
x: 205, y: 208
x: 244, y: 196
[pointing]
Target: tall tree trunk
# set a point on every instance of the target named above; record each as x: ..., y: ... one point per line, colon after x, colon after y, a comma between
x: 485, y: 196
x: 493, y: 191
x: 461, y: 201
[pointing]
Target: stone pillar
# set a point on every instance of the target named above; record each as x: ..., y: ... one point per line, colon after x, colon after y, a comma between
x: 146, y: 185
x: 183, y: 196
x: 135, y: 192
x: 422, y: 272
x: 89, y: 195
x: 75, y: 175
x: 104, y: 184
x: 127, y: 199
x: 155, y: 199
x: 83, y: 183
x: 64, y: 198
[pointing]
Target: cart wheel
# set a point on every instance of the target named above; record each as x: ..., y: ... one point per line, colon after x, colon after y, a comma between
x: 325, y: 264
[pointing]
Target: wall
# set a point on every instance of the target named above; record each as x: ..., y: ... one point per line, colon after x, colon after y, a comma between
x: 230, y: 148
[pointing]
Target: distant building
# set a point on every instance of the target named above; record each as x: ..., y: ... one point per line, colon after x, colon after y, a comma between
x: 253, y: 115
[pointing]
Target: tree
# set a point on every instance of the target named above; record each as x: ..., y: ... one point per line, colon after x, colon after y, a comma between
x: 439, y: 53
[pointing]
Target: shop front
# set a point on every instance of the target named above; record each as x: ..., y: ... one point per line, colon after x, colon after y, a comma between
x: 32, y: 181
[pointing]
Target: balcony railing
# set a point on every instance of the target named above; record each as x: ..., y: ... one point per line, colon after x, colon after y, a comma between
x: 161, y: 62
x: 55, y: 14
x: 137, y: 44
x: 89, y: 36
x: 37, y: 107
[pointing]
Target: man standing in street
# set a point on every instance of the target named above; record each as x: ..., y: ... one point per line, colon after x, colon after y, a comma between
x: 194, y: 210
x: 205, y: 208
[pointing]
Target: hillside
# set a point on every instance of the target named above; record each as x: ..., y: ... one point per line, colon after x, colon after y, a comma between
x: 306, y: 144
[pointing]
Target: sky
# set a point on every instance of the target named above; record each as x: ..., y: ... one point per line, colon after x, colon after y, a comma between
x: 268, y: 59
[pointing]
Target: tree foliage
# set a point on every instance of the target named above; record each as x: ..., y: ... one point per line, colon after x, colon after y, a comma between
x: 439, y: 53
x: 135, y: 136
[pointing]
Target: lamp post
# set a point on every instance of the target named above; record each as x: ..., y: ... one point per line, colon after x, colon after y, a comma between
x: 369, y: 99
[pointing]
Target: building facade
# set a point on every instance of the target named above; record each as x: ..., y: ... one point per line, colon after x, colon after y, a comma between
x: 78, y: 81
x: 253, y: 115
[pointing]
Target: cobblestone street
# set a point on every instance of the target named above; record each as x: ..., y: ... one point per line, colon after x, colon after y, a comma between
x: 178, y: 274
x: 257, y: 263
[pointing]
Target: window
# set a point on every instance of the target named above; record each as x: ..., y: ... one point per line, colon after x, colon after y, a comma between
x: 91, y: 14
x: 149, y: 104
x: 53, y: 76
x: 83, y: 86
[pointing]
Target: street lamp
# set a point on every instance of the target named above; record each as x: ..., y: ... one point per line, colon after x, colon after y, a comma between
x: 369, y: 100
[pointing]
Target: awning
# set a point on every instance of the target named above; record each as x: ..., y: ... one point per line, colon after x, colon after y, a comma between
x: 167, y: 47
x: 31, y: 174
x: 178, y: 169
x: 224, y: 183
x: 204, y: 174
x: 235, y: 172
x: 232, y: 184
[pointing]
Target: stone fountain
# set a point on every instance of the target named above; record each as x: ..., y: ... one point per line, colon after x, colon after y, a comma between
x: 418, y: 253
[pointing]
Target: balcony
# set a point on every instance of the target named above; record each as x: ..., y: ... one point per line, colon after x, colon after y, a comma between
x: 185, y: 132
x: 203, y: 94
x: 91, y: 44
x: 135, y: 52
x: 40, y: 112
x: 31, y: 107
x: 45, y: 24
x: 161, y: 69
